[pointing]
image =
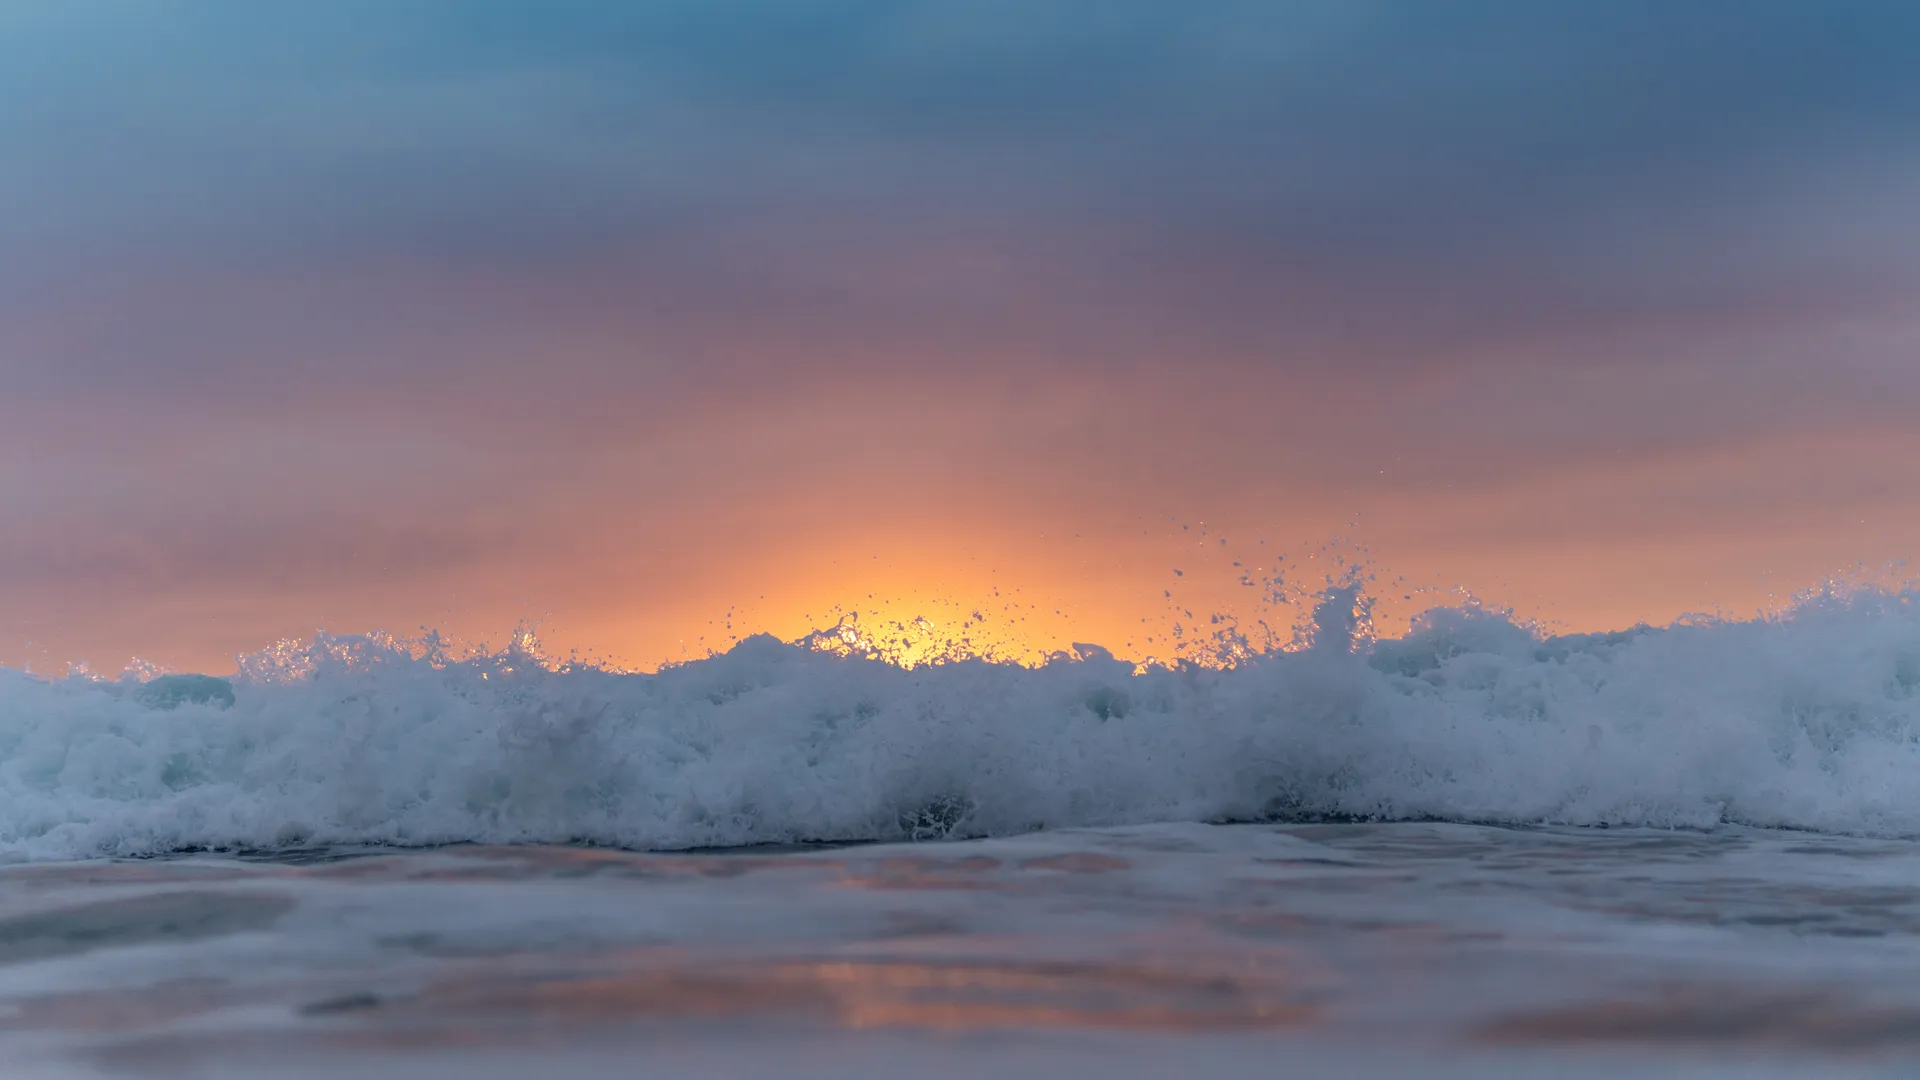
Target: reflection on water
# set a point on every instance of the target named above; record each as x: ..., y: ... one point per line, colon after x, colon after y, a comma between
x: 525, y: 1001
x: 111, y: 1011
x: 948, y: 995
x: 1719, y: 1015
x: 1474, y: 944
x: 137, y: 920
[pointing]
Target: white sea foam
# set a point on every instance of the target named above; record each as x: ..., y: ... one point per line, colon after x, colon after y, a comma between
x: 1808, y: 720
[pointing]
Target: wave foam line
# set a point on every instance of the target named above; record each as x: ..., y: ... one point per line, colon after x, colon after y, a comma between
x: 1808, y: 721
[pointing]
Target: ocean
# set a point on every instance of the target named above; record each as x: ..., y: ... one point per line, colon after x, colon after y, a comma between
x: 1471, y: 851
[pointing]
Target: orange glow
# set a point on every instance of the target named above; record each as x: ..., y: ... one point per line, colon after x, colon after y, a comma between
x: 949, y: 994
x: 1017, y: 524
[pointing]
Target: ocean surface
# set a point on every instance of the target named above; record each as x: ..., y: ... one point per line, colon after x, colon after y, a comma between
x: 1471, y: 851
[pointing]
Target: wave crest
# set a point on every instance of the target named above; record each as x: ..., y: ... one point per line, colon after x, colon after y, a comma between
x: 1808, y: 720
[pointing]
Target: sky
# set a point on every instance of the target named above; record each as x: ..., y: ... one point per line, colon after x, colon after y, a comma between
x: 660, y: 322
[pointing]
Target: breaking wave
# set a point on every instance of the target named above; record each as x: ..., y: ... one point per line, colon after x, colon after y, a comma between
x: 1805, y: 720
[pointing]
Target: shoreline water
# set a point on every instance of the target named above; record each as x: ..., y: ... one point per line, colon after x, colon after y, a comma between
x: 1368, y: 950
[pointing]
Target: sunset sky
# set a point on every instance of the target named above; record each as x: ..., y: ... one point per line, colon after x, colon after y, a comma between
x: 666, y: 321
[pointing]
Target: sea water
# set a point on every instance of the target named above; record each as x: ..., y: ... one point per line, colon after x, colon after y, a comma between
x: 1472, y: 851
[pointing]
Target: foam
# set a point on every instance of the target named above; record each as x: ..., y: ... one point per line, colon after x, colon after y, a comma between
x: 1808, y: 720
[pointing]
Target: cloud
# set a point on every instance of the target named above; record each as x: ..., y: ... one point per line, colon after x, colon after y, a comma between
x: 436, y: 266
x: 1385, y: 132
